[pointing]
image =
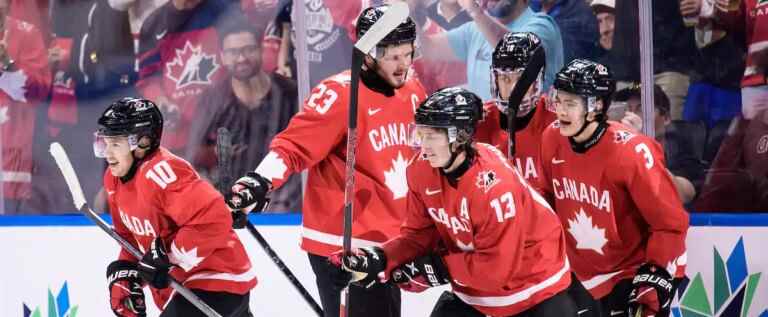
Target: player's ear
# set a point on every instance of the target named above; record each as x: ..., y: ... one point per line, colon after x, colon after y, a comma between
x: 368, y: 62
x: 145, y: 142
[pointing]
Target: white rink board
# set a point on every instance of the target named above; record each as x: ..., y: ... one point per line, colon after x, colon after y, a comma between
x: 38, y: 258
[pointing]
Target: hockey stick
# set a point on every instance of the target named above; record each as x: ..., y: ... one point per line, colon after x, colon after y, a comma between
x: 396, y: 13
x: 529, y: 75
x: 65, y: 166
x: 224, y: 157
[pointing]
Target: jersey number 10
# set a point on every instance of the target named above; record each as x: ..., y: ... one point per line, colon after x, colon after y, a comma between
x: 162, y: 174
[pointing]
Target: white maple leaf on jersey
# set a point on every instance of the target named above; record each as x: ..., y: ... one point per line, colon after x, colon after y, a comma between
x: 12, y: 83
x: 587, y: 236
x: 465, y: 247
x: 183, y: 258
x: 272, y: 167
x: 395, y: 178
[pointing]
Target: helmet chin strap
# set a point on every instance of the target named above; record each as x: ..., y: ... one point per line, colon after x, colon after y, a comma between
x: 137, y: 161
x: 454, y: 175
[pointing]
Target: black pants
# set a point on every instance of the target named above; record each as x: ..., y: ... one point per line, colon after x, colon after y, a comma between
x: 561, y: 305
x: 226, y: 304
x: 380, y: 300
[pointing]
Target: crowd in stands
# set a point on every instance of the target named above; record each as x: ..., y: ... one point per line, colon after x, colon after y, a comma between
x: 210, y: 64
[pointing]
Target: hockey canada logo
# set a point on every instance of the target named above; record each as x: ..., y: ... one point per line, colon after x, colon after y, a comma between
x: 191, y: 66
x: 57, y: 306
x: 623, y: 137
x: 734, y: 289
x: 486, y: 180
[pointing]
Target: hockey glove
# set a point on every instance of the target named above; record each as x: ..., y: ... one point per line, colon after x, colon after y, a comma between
x: 154, y: 266
x: 365, y: 264
x: 651, y: 291
x: 424, y: 272
x: 249, y: 194
x: 126, y: 296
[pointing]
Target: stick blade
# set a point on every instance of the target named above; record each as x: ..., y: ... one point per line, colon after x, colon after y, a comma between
x: 396, y: 13
x: 65, y: 166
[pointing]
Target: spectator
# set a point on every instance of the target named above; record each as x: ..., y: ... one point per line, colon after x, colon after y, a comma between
x: 685, y: 168
x: 448, y: 14
x: 438, y: 18
x: 473, y: 42
x: 178, y: 56
x: 673, y: 50
x: 738, y: 179
x: 605, y: 12
x: 286, y: 65
x: 714, y: 96
x: 100, y: 68
x: 253, y: 105
x: 25, y: 80
x: 750, y: 20
x: 578, y: 26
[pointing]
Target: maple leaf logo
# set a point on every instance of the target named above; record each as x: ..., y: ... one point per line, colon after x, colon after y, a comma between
x: 623, y: 137
x: 395, y: 178
x: 183, y: 258
x: 191, y: 66
x: 486, y: 180
x: 587, y: 236
x: 272, y: 167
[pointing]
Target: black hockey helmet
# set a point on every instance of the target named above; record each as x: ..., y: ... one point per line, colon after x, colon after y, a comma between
x: 404, y: 33
x: 515, y: 51
x: 588, y: 79
x: 132, y: 117
x: 456, y: 109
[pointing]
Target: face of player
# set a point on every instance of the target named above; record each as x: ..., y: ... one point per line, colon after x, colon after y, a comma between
x: 506, y: 81
x: 570, y: 109
x: 118, y: 155
x: 434, y: 145
x: 393, y: 65
x: 241, y: 55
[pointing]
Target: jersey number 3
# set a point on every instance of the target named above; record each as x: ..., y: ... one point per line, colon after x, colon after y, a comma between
x: 646, y: 152
x: 162, y: 174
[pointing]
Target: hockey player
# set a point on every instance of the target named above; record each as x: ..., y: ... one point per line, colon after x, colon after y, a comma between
x: 503, y: 246
x: 514, y: 53
x: 315, y: 139
x: 626, y: 225
x: 159, y: 203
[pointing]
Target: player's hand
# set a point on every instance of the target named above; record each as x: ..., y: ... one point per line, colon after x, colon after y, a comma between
x: 126, y: 296
x: 366, y: 265
x: 420, y: 274
x: 651, y: 291
x: 248, y: 194
x: 154, y: 266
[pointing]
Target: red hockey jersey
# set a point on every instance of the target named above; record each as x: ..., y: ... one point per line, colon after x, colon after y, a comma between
x: 506, y: 249
x: 167, y: 199
x: 617, y: 204
x: 528, y: 139
x: 751, y: 19
x: 179, y: 59
x: 315, y: 139
x: 20, y: 91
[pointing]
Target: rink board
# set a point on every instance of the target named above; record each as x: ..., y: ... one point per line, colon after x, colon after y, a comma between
x: 42, y: 254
